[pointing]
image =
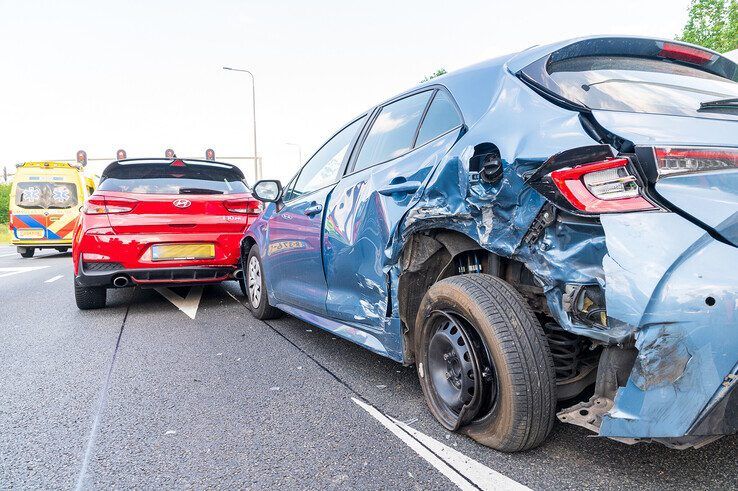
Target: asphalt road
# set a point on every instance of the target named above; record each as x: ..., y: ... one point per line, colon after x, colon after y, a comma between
x: 142, y: 395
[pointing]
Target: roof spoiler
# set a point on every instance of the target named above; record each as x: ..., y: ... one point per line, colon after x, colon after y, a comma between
x: 170, y: 161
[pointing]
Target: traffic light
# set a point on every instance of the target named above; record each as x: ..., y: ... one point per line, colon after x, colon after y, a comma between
x: 120, y: 154
x: 82, y: 157
x: 169, y: 153
x: 209, y: 154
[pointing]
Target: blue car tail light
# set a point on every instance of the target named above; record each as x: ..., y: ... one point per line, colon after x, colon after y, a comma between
x: 687, y: 160
x: 606, y: 186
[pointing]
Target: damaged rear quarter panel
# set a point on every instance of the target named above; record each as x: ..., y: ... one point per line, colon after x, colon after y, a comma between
x: 662, y: 272
x: 498, y: 215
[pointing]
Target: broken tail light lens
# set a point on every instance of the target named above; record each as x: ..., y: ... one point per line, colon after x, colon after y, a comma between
x: 243, y: 206
x: 102, y: 205
x: 601, y: 187
x: 687, y: 160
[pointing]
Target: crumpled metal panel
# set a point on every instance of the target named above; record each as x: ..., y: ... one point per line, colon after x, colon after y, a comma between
x: 499, y: 215
x: 679, y: 286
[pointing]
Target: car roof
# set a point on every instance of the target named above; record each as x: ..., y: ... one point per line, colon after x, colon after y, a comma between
x: 473, y: 87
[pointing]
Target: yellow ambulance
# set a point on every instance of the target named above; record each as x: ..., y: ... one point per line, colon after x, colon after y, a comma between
x: 46, y: 199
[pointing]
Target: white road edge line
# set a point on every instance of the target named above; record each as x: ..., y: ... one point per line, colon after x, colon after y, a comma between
x: 480, y: 474
x: 57, y: 277
x: 466, y: 473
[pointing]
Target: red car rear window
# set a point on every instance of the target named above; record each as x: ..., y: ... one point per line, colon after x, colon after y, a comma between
x: 163, y: 178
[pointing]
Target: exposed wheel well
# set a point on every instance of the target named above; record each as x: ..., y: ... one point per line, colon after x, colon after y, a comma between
x: 432, y: 255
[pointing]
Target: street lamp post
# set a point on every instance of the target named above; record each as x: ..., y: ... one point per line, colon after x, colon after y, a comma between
x: 257, y: 163
x: 299, y: 152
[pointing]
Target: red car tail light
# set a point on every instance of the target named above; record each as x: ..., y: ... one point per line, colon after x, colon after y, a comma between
x: 601, y: 187
x: 100, y: 231
x: 100, y: 205
x: 686, y: 160
x: 90, y: 257
x: 244, y: 206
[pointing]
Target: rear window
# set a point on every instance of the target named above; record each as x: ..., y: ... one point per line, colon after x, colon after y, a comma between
x: 43, y: 195
x: 642, y: 85
x: 168, y: 179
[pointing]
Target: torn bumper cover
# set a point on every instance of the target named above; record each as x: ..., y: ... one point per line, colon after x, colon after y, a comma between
x: 679, y: 287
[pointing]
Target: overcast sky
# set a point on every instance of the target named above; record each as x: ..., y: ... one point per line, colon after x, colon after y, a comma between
x: 146, y: 75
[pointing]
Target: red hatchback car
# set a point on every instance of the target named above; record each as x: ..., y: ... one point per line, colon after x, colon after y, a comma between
x: 159, y: 222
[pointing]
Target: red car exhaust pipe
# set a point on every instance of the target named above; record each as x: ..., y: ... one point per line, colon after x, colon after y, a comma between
x: 120, y: 281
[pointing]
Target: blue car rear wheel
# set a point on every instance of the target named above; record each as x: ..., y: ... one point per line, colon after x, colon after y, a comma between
x: 484, y: 362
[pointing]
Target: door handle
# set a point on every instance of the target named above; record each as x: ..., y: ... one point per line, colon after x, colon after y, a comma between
x: 313, y: 210
x: 404, y: 187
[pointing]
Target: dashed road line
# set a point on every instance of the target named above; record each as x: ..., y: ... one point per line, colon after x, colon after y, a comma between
x: 54, y: 278
x: 20, y: 269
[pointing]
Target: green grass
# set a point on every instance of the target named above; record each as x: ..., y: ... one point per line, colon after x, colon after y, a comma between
x: 4, y: 202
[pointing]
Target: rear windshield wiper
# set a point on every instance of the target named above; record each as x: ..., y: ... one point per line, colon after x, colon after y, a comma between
x: 720, y: 103
x: 199, y: 191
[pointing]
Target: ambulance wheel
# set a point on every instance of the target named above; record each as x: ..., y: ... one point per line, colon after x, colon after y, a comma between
x: 26, y: 251
x: 90, y: 297
x: 62, y: 249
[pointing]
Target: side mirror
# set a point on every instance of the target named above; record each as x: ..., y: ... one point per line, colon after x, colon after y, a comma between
x: 268, y: 191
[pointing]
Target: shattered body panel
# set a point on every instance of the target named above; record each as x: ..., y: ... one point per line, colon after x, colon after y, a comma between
x: 670, y: 282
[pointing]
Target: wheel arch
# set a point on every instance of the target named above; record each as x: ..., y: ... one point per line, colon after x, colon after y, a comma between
x: 431, y: 255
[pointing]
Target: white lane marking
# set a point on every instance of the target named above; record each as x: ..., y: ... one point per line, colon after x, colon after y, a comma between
x: 189, y: 304
x: 53, y: 279
x: 480, y: 474
x: 24, y: 269
x: 466, y: 473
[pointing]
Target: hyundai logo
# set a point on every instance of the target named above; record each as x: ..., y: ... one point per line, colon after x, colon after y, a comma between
x: 181, y: 203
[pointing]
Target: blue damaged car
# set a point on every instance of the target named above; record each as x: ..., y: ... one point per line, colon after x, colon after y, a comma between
x: 556, y: 228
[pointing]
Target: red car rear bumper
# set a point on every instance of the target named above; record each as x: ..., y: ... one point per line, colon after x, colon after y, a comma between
x: 98, y: 259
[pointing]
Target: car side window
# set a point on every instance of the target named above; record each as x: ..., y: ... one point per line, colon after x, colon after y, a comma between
x: 441, y: 117
x: 287, y: 193
x: 323, y: 168
x: 393, y: 131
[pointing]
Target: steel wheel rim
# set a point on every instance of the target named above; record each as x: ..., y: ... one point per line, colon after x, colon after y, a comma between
x: 254, y: 282
x: 473, y: 370
x: 449, y: 367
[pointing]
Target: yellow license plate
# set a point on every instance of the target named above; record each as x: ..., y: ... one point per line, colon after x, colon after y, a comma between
x: 31, y: 233
x: 168, y: 252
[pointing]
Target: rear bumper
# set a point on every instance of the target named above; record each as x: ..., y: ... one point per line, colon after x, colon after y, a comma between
x: 102, y: 274
x: 41, y: 244
x: 100, y: 258
x: 679, y: 288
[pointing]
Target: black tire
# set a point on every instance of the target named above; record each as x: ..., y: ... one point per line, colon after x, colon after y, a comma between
x: 26, y: 251
x: 90, y: 297
x: 521, y: 409
x: 242, y: 284
x: 62, y: 249
x: 259, y: 308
